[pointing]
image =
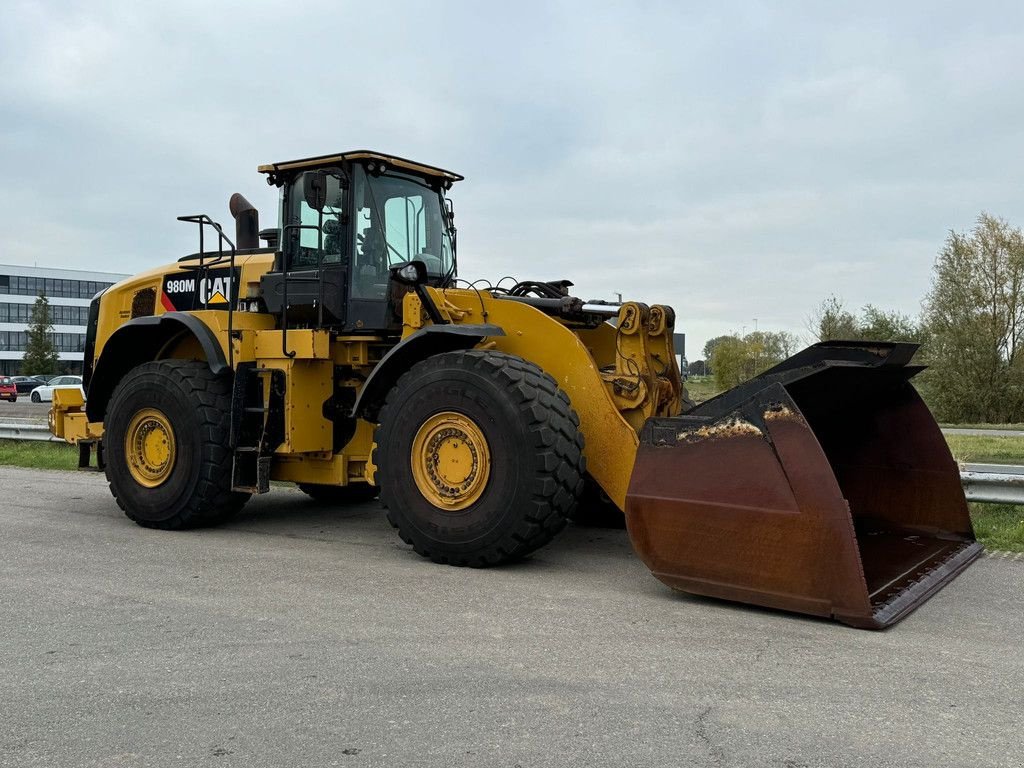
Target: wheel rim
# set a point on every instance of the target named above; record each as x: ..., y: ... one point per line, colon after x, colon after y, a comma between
x: 451, y: 462
x: 149, y: 447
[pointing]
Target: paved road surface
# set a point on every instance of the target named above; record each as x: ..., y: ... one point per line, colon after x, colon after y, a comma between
x: 299, y: 636
x: 983, y: 432
x: 24, y: 411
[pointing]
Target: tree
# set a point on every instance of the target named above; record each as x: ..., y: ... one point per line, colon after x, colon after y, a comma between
x: 735, y: 360
x: 831, y: 320
x: 709, y: 347
x: 768, y: 348
x: 878, y: 325
x: 697, y: 368
x: 728, y: 361
x: 974, y: 321
x: 40, y: 353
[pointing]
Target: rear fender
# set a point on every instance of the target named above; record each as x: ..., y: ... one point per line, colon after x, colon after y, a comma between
x: 142, y: 340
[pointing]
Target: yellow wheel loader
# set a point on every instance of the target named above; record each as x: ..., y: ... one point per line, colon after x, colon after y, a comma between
x: 344, y: 355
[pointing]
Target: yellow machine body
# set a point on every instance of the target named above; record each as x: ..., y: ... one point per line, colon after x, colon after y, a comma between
x: 616, y: 375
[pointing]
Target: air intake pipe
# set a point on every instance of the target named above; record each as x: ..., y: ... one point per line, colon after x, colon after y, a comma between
x: 247, y: 222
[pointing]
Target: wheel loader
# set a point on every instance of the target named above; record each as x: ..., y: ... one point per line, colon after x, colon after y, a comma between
x: 341, y: 352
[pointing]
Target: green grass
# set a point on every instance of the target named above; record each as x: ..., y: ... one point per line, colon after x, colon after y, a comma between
x: 999, y: 526
x: 38, y: 455
x: 701, y: 388
x: 982, y: 449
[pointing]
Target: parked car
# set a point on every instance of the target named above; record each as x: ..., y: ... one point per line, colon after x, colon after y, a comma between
x: 43, y: 378
x: 8, y: 389
x: 45, y: 392
x: 25, y: 384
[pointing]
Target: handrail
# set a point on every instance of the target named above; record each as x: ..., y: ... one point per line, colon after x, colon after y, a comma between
x: 205, y: 221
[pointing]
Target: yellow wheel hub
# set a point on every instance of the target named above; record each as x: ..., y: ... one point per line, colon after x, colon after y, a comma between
x: 451, y: 462
x: 149, y: 447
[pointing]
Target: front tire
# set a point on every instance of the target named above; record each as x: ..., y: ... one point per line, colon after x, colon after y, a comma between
x: 479, y: 456
x: 168, y: 454
x: 35, y: 398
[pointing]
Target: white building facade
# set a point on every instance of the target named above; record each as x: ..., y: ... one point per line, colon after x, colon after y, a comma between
x: 69, y: 292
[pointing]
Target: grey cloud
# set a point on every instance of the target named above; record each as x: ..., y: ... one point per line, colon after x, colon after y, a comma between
x: 737, y: 161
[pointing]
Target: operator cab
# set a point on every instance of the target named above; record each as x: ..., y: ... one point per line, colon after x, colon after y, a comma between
x: 347, y: 221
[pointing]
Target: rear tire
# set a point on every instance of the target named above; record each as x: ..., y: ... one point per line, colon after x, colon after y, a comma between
x: 479, y: 456
x: 357, y: 493
x: 167, y: 446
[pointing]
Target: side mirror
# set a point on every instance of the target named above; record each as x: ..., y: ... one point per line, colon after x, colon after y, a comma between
x: 409, y: 273
x: 314, y: 189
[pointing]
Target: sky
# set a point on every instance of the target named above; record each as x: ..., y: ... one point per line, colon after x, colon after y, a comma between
x: 733, y: 160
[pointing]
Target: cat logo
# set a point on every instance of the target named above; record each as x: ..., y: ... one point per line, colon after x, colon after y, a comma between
x: 190, y: 291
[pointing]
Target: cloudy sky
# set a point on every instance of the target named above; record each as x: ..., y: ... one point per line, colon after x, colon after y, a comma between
x: 735, y: 160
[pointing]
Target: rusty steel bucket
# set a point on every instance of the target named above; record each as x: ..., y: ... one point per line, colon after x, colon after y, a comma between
x: 823, y: 486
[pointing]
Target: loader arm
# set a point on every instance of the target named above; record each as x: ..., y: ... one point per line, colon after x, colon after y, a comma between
x: 610, y: 440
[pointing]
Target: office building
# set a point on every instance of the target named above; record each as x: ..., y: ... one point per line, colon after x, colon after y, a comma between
x: 69, y: 292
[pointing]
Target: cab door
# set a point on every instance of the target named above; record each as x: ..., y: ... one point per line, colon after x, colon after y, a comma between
x: 312, y: 287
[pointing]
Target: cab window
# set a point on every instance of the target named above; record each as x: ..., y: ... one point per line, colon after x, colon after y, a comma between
x: 313, y: 240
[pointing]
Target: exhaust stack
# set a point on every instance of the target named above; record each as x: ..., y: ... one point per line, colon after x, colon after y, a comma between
x: 247, y: 222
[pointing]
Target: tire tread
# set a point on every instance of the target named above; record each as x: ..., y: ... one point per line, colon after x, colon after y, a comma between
x: 553, y: 427
x: 213, y: 501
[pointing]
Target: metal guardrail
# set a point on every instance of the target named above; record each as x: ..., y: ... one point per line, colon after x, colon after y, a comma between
x: 987, y: 483
x: 993, y: 483
x: 26, y: 431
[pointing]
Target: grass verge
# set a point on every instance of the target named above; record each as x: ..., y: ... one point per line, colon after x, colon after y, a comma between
x: 38, y: 455
x: 999, y: 526
x: 701, y: 388
x: 982, y: 449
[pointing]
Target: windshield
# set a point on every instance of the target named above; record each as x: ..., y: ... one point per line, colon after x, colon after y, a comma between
x: 398, y: 218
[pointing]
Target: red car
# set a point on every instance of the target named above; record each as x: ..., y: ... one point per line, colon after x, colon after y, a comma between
x: 8, y: 389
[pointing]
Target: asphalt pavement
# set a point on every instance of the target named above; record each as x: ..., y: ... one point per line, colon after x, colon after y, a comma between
x: 305, y: 636
x: 24, y: 411
x: 976, y: 432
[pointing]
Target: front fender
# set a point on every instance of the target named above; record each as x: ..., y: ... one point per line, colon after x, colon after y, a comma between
x: 426, y: 342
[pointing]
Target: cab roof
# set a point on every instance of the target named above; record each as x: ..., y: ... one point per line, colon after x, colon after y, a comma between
x: 360, y: 154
